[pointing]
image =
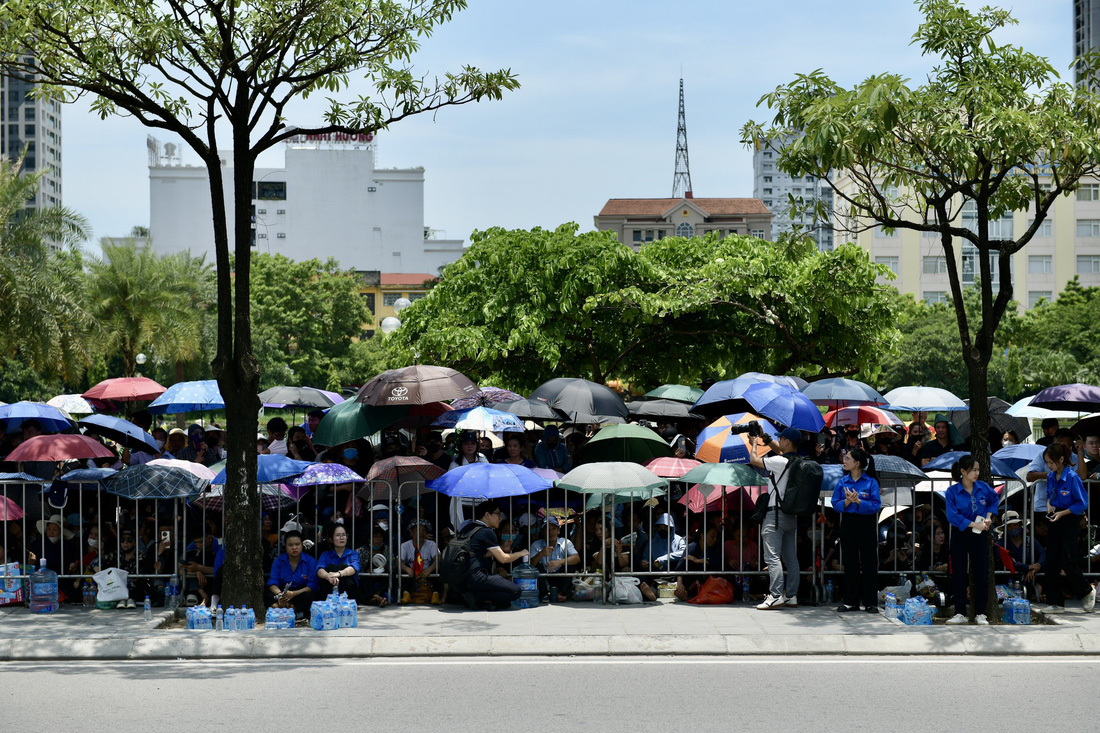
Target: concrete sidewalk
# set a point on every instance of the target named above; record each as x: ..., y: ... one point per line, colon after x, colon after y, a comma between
x: 570, y: 629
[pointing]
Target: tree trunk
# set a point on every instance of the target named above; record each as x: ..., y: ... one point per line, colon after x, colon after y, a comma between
x: 977, y: 368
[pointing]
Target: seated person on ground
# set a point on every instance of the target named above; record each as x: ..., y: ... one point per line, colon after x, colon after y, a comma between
x: 293, y: 579
x: 419, y: 559
x: 552, y: 553
x: 338, y: 567
x: 197, y: 565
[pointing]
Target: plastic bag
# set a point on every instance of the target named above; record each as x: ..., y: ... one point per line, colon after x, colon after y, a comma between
x: 112, y: 585
x: 626, y: 590
x: 588, y: 589
x: 901, y: 593
x: 714, y: 591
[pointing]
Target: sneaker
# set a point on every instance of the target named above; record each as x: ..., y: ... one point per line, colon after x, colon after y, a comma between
x: 958, y: 618
x: 406, y: 597
x: 1089, y: 601
x: 1053, y: 609
x: 770, y: 602
x: 192, y: 599
x: 435, y: 599
x: 121, y: 604
x: 981, y: 620
x: 842, y: 608
x: 791, y: 602
x: 131, y: 603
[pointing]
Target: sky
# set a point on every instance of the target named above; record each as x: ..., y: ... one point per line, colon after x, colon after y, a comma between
x: 595, y: 117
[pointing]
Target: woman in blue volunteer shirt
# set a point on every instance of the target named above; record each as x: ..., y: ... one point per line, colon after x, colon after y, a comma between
x: 971, y: 505
x: 857, y: 499
x: 293, y: 579
x: 338, y: 567
x: 1066, y: 503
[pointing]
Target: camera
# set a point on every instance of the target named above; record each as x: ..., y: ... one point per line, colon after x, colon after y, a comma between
x: 752, y: 428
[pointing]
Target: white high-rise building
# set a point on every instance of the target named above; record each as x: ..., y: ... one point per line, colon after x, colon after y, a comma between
x: 33, y: 125
x: 774, y: 187
x: 328, y: 200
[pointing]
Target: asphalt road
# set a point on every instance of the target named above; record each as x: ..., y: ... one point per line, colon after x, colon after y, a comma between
x: 447, y: 695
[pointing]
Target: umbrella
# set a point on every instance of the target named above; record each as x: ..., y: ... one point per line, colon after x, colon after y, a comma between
x: 125, y: 389
x: 944, y: 461
x: 1019, y: 455
x: 9, y: 510
x: 842, y: 392
x: 895, y: 468
x: 1024, y: 408
x: 727, y: 396
x: 272, y: 497
x: 482, y: 419
x: 324, y: 474
x: 123, y: 432
x: 87, y: 475
x: 795, y: 383
x: 923, y: 399
x: 299, y: 397
x: 582, y: 401
x: 188, y: 397
x: 661, y: 408
x: 724, y: 474
x: 60, y: 447
x: 861, y: 416
x: 548, y: 473
x: 737, y: 497
x: 196, y: 469
x: 676, y: 393
x: 719, y: 444
x: 271, y: 469
x: 73, y: 404
x: 488, y: 397
x: 159, y: 479
x: 611, y: 478
x: 1077, y: 396
x: 21, y: 478
x: 50, y: 418
x: 421, y: 415
x: 632, y: 443
x: 997, y: 419
x: 667, y: 467
x: 530, y: 410
x: 399, y: 476
x: 1089, y: 425
x: 784, y: 405
x: 416, y: 385
x: 352, y: 420
x: 488, y: 481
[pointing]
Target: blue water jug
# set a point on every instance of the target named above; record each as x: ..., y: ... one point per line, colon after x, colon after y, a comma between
x: 44, y: 589
x: 527, y: 578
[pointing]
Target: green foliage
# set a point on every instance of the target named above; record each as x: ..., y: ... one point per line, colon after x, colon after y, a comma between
x: 18, y: 381
x: 1062, y: 340
x: 366, y: 358
x: 305, y: 316
x: 521, y: 307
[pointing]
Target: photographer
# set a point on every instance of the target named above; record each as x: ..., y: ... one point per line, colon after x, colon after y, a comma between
x: 778, y: 533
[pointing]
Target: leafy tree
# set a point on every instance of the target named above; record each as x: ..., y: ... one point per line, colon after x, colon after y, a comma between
x: 221, y: 73
x: 144, y: 302
x: 1061, y: 340
x: 366, y: 358
x: 40, y: 288
x: 305, y: 316
x: 521, y: 307
x: 990, y: 128
x: 18, y: 381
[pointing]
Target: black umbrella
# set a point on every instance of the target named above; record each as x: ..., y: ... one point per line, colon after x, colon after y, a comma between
x: 662, y: 408
x: 297, y: 397
x: 530, y: 410
x: 416, y: 385
x: 997, y: 418
x: 582, y: 401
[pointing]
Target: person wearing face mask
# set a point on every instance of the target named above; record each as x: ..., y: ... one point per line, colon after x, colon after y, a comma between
x: 62, y: 555
x: 419, y: 560
x: 552, y: 553
x: 1027, y: 555
x: 432, y: 450
x: 665, y: 548
x: 1009, y: 437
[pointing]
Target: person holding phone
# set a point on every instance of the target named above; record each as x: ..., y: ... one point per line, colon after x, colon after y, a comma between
x: 1067, y: 501
x: 971, y: 505
x: 857, y: 499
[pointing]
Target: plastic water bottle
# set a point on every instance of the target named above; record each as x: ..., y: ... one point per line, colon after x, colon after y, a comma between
x: 830, y: 592
x: 527, y: 578
x: 891, y: 605
x: 1023, y: 612
x: 147, y: 614
x: 329, y: 616
x: 219, y: 624
x: 745, y: 589
x: 43, y: 589
x: 172, y: 593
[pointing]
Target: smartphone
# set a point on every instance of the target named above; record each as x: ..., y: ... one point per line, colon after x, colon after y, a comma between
x: 164, y: 536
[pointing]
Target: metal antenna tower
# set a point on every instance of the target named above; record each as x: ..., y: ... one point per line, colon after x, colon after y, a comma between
x: 681, y: 179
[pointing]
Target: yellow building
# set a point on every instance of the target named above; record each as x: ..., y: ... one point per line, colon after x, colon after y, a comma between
x: 382, y: 290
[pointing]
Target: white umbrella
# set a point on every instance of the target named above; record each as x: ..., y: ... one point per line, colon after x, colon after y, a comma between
x: 923, y: 399
x: 1023, y: 408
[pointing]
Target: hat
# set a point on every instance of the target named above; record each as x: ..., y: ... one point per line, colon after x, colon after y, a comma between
x: 350, y: 453
x: 941, y: 418
x: 1010, y: 518
x: 214, y: 428
x: 290, y: 526
x: 666, y: 519
x: 176, y: 431
x: 264, y: 438
x: 58, y: 494
x: 792, y: 434
x: 550, y: 431
x: 420, y: 523
x: 55, y: 519
x: 467, y: 435
x: 525, y: 520
x: 194, y: 428
x: 551, y: 520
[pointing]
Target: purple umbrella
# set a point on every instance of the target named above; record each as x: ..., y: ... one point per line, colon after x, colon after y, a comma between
x: 325, y: 473
x: 1077, y: 396
x: 488, y: 397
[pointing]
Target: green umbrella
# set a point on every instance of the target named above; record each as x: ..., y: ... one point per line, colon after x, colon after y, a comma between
x: 678, y: 392
x: 351, y: 420
x: 623, y: 481
x: 711, y: 475
x: 627, y: 442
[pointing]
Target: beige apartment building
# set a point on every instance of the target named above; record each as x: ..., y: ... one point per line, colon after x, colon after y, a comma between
x: 637, y: 221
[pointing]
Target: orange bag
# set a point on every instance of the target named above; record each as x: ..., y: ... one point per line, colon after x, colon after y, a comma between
x: 714, y: 591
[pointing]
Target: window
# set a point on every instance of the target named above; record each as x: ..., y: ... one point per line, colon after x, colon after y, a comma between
x: 892, y: 262
x: 413, y: 297
x: 1034, y: 296
x: 767, y: 191
x: 262, y: 211
x: 649, y: 235
x: 368, y: 298
x: 281, y: 235
x: 768, y: 203
x: 1046, y: 229
x: 1089, y: 192
x: 28, y: 130
x: 28, y: 113
x: 935, y: 296
x: 881, y: 233
x: 389, y: 299
x: 934, y: 265
x: 767, y: 179
x: 1040, y: 264
x: 261, y: 236
x: 758, y: 233
x: 1088, y: 227
x: 685, y: 230
x: 271, y: 190
x: 253, y: 237
x: 660, y: 234
x: 767, y: 154
x: 280, y: 212
x: 637, y: 235
x: 1088, y: 264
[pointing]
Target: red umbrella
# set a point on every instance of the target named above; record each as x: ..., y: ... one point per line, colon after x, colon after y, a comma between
x: 738, y: 497
x: 863, y: 415
x: 125, y: 389
x: 667, y: 467
x: 421, y: 415
x: 9, y: 510
x: 59, y: 447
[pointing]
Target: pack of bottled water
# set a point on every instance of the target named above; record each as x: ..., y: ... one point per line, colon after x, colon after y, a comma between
x: 917, y: 612
x: 279, y: 618
x: 200, y: 618
x: 892, y: 609
x: 1016, y: 610
x: 335, y: 612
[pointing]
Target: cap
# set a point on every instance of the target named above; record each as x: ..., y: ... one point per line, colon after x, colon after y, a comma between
x: 552, y: 520
x: 467, y: 435
x: 351, y: 453
x: 176, y: 431
x: 264, y: 438
x: 214, y: 428
x: 194, y: 428
x: 792, y: 434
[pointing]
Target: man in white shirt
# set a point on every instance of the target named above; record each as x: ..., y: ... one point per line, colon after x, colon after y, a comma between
x: 553, y: 554
x: 778, y: 533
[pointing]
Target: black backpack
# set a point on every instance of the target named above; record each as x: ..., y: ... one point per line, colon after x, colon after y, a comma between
x: 803, y: 487
x: 456, y: 561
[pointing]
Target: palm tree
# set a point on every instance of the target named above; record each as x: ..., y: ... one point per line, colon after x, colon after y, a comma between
x: 142, y: 301
x: 44, y: 319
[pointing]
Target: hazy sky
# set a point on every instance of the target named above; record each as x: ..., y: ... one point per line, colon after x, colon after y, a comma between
x: 596, y: 115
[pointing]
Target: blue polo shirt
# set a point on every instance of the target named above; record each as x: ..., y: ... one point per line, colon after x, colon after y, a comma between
x: 870, y: 498
x: 963, y: 507
x: 305, y: 574
x: 1066, y: 491
x: 349, y: 558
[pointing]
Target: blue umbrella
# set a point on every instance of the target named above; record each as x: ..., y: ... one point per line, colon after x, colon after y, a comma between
x: 831, y: 473
x: 482, y: 419
x: 51, y: 418
x: 842, y: 392
x: 88, y: 475
x: 121, y: 431
x: 726, y: 396
x: 795, y: 383
x: 784, y: 405
x: 188, y: 397
x: 21, y: 478
x: 1019, y: 455
x: 943, y: 462
x: 489, y: 481
x: 272, y: 469
x: 319, y: 474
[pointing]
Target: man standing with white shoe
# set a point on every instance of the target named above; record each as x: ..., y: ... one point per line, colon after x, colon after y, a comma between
x: 779, y: 531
